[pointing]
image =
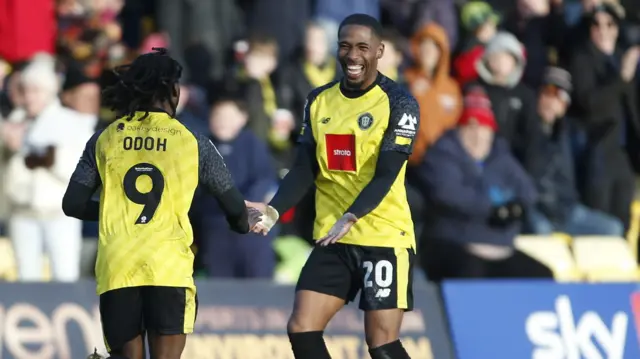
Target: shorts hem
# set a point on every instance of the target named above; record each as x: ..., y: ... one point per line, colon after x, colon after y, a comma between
x: 346, y: 299
x: 172, y: 331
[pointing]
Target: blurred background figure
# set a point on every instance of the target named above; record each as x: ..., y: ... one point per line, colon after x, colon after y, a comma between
x: 392, y: 59
x: 431, y: 84
x: 480, y: 23
x: 606, y: 102
x: 214, y: 24
x: 540, y: 26
x: 476, y: 192
x: 80, y: 92
x: 514, y: 103
x: 409, y: 16
x: 38, y: 173
x: 224, y: 253
x: 313, y: 67
x: 558, y: 208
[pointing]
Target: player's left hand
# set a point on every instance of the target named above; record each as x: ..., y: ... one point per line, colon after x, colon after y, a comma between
x: 269, y: 217
x: 339, y: 230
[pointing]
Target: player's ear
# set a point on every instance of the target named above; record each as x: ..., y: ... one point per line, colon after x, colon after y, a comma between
x: 380, y: 51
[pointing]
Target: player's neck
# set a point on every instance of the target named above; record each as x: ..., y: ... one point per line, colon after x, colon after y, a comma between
x: 162, y: 107
x: 357, y: 92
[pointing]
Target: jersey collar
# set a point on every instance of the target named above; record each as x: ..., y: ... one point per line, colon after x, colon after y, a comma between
x: 349, y: 93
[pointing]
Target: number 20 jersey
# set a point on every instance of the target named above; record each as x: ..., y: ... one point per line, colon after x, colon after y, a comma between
x: 149, y: 169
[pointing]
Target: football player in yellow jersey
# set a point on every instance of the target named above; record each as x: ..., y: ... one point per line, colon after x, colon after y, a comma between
x: 148, y: 165
x: 357, y: 136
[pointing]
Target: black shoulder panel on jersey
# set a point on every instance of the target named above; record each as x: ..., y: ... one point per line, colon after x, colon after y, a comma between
x: 404, y: 118
x: 213, y: 174
x: 86, y: 172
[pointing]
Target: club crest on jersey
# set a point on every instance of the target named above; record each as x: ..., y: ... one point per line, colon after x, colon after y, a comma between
x: 365, y: 121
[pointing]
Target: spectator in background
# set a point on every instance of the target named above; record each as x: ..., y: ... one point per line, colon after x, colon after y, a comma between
x: 38, y: 174
x: 224, y: 253
x: 13, y: 104
x: 577, y: 36
x: 476, y: 192
x: 513, y: 103
x: 284, y: 20
x: 540, y: 26
x: 558, y: 208
x: 81, y: 93
x: 192, y: 108
x: 390, y: 62
x: 254, y: 81
x: 313, y: 68
x: 480, y: 23
x: 430, y: 83
x: 605, y: 101
x: 213, y: 23
x: 409, y: 16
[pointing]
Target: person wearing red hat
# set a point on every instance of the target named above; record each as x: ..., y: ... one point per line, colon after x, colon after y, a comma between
x: 478, y: 193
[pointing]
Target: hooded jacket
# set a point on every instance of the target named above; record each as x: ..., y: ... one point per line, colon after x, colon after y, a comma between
x: 440, y: 103
x: 513, y: 102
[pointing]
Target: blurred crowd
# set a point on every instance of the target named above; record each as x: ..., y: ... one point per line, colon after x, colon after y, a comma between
x: 529, y: 119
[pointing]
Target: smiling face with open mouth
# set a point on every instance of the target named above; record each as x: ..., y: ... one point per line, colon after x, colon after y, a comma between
x: 358, y: 52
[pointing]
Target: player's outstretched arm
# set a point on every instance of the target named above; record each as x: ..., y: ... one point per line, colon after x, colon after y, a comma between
x: 216, y: 179
x: 85, y: 180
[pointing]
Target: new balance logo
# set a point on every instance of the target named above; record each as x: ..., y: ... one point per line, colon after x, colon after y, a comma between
x: 408, y: 122
x: 325, y: 120
x: 383, y: 293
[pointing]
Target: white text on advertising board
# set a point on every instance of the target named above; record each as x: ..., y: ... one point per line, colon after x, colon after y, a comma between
x: 560, y: 335
x: 28, y: 332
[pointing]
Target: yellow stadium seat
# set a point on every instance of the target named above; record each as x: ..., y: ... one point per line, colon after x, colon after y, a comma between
x: 553, y: 251
x: 604, y: 258
x: 8, y: 268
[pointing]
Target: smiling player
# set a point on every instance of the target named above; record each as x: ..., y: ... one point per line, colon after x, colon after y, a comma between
x: 357, y: 136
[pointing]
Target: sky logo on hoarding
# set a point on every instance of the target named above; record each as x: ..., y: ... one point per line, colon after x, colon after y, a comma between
x: 560, y: 335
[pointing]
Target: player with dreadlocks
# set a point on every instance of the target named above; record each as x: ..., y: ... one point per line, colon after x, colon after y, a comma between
x: 148, y: 166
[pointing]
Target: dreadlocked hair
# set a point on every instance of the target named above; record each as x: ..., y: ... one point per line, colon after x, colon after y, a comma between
x: 150, y: 79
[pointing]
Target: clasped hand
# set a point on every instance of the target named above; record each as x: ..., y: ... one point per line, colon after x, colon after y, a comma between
x: 263, y: 217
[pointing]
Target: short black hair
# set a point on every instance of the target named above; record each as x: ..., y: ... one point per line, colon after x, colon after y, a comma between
x: 363, y: 20
x: 149, y: 79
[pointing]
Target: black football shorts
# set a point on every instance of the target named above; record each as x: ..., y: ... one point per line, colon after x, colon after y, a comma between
x: 383, y: 275
x: 128, y: 312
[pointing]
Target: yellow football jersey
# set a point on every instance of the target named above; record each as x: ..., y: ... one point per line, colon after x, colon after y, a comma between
x: 349, y: 133
x: 149, y: 167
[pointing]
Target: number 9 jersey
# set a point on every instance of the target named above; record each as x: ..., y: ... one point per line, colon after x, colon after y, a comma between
x: 149, y: 167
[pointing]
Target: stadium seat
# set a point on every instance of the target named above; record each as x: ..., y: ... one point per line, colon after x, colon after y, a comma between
x: 7, y: 261
x: 554, y: 252
x: 8, y: 269
x: 603, y: 258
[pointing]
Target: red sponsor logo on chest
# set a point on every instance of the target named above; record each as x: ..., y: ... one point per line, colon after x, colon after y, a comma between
x: 341, y: 152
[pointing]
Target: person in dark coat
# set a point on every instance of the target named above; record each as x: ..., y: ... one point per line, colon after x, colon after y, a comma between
x: 605, y: 101
x: 477, y: 193
x: 223, y: 253
x: 541, y: 31
x: 514, y: 103
x: 558, y: 208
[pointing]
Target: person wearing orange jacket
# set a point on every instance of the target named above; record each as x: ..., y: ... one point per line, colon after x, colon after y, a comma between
x: 435, y: 90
